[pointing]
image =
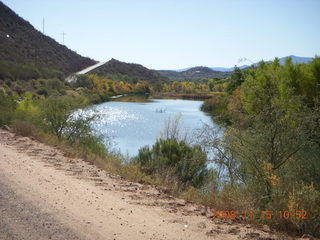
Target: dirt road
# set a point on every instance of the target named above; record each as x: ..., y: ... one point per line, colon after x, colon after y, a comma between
x: 46, y: 195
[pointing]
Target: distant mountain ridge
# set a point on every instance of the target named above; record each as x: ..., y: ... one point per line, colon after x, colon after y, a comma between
x: 21, y: 43
x: 295, y: 60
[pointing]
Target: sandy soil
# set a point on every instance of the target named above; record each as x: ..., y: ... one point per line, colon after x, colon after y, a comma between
x: 46, y: 195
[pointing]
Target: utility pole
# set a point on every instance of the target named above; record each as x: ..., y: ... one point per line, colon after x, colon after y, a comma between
x: 43, y: 25
x: 63, y: 34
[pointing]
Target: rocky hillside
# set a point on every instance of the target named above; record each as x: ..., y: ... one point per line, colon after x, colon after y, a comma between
x: 134, y: 71
x: 22, y: 44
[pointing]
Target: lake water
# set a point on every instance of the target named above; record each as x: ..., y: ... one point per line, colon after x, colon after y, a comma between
x: 132, y: 125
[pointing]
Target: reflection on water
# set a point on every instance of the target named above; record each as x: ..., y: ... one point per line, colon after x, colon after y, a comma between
x: 136, y: 124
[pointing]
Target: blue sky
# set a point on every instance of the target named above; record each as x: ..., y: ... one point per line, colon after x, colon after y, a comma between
x: 174, y: 34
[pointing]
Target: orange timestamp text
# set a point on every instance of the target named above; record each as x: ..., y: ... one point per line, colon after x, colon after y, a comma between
x: 265, y: 215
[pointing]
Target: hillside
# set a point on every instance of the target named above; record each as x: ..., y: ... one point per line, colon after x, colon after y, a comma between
x: 134, y: 71
x: 193, y: 74
x: 21, y: 43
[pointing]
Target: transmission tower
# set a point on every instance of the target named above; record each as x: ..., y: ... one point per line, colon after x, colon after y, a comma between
x: 43, y: 25
x: 63, y: 34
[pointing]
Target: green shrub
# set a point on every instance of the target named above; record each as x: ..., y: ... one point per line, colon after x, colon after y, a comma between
x: 187, y: 164
x: 59, y: 119
x: 55, y: 84
x: 84, y: 81
x: 217, y: 107
x: 7, y: 108
x: 42, y: 91
x: 27, y: 110
x: 56, y: 113
x: 79, y: 132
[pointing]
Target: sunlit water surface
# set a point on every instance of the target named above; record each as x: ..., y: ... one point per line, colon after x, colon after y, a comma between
x: 132, y: 125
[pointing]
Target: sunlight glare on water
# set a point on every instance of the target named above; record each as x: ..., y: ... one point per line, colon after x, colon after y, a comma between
x: 133, y: 125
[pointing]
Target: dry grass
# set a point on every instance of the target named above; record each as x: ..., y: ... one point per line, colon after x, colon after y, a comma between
x: 24, y: 128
